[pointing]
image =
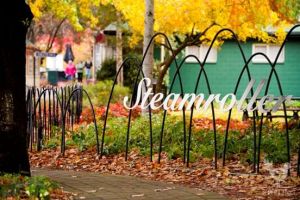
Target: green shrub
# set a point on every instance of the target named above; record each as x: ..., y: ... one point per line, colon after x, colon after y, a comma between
x: 274, y: 144
x: 52, y: 143
x: 11, y: 185
x: 79, y: 140
x: 83, y: 138
x: 99, y: 93
x: 108, y: 70
x: 55, y: 139
x: 40, y: 187
x: 37, y: 187
x: 130, y: 70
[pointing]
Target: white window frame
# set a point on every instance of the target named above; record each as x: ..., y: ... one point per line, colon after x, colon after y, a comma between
x: 271, y: 55
x: 201, y: 53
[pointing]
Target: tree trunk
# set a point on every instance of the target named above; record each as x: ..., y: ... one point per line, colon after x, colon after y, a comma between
x: 13, y: 151
x: 148, y: 33
x: 119, y: 49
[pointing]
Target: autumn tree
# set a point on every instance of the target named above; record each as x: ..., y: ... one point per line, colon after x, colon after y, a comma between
x: 13, y: 119
x: 196, y: 22
x: 53, y: 17
x: 116, y: 18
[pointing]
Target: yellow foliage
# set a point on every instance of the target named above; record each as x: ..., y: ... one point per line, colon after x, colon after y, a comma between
x: 75, y: 11
x: 248, y: 18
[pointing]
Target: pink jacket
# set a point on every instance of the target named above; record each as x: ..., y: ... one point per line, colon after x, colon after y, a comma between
x: 70, y: 70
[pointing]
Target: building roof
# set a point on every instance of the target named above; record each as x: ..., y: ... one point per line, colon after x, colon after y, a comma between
x: 272, y: 30
x: 111, y: 29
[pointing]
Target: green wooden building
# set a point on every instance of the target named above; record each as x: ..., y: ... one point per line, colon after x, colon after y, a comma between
x: 224, y: 65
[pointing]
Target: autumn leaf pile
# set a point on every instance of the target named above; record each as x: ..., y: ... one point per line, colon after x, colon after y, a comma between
x: 234, y: 180
x: 207, y: 124
x: 115, y: 110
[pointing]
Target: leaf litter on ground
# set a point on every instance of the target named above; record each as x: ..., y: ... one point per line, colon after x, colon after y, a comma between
x: 235, y: 180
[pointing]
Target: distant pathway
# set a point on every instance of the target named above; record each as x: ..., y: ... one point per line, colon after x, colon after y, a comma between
x: 89, y: 185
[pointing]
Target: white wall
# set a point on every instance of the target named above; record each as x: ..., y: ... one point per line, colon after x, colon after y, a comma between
x: 55, y: 63
x: 101, y: 52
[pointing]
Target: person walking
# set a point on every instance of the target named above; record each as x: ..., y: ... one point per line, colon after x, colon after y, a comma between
x: 70, y: 70
x: 79, y: 68
x: 88, y: 65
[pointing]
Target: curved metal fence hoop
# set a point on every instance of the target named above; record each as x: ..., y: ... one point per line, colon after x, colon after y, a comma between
x: 254, y: 118
x: 108, y: 104
x: 198, y: 79
x: 281, y: 93
x: 273, y: 70
x: 202, y: 70
x: 254, y: 125
x: 130, y: 112
x: 136, y: 62
x: 213, y: 113
x: 64, y: 118
x: 254, y: 115
x: 180, y: 84
x: 140, y: 72
x: 238, y: 82
x: 246, y: 67
x: 42, y: 93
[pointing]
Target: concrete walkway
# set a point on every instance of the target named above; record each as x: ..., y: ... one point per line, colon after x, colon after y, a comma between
x: 89, y: 185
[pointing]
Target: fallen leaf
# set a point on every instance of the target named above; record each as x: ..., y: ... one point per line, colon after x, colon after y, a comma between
x: 137, y: 195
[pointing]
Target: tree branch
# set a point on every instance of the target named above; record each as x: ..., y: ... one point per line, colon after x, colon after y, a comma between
x: 190, y: 39
x: 164, y: 45
x: 52, y: 37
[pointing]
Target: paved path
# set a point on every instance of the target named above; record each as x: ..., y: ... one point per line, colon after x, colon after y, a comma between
x: 89, y: 185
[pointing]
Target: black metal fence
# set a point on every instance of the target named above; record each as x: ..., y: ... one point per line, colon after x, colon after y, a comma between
x: 62, y: 107
x: 49, y: 107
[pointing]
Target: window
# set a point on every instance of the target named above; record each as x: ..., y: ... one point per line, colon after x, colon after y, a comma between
x: 270, y: 50
x: 200, y: 53
x: 273, y: 51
